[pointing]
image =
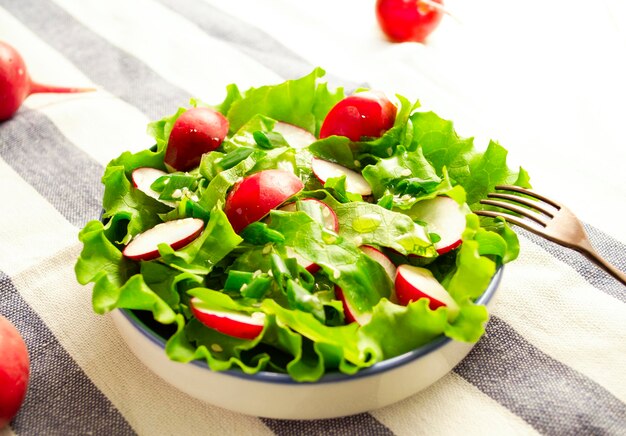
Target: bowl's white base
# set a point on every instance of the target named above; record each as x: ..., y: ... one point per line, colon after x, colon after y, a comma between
x: 290, y: 400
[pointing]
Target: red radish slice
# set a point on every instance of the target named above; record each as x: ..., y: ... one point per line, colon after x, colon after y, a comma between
x: 238, y: 325
x: 445, y: 217
x: 413, y: 283
x: 295, y: 136
x: 144, y: 177
x: 351, y: 315
x: 175, y: 233
x: 355, y: 182
x: 253, y: 197
x: 382, y: 259
x: 390, y: 269
x: 331, y: 222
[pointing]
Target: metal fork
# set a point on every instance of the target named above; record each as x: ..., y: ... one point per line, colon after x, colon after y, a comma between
x: 546, y: 218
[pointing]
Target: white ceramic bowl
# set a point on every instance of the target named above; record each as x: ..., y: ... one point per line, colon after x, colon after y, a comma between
x: 273, y: 395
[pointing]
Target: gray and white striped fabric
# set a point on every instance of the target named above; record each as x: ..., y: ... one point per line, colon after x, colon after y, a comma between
x: 547, y: 83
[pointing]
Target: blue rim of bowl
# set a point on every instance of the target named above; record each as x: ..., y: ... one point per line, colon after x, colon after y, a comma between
x: 332, y: 377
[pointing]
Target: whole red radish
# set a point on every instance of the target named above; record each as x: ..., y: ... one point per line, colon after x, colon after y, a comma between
x: 14, y: 371
x: 256, y: 195
x: 364, y: 114
x: 408, y: 20
x: 195, y: 132
x: 16, y: 84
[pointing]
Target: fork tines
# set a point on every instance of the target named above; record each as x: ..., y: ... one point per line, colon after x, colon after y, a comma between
x: 538, y: 211
x: 556, y: 222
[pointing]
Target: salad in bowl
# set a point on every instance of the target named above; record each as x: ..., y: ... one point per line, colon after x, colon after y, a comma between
x: 291, y: 229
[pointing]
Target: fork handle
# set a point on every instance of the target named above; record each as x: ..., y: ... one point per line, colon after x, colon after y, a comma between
x: 588, y: 251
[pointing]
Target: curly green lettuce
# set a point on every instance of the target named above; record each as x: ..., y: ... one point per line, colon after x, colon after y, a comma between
x: 305, y: 333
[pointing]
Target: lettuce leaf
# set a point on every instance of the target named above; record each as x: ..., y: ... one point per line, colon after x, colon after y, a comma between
x: 115, y: 283
x: 370, y: 224
x: 279, y: 102
x: 402, y: 173
x: 477, y: 172
x: 131, y: 211
x: 363, y: 281
x: 101, y: 262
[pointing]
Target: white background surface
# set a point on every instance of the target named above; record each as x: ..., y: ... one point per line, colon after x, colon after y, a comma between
x: 545, y: 79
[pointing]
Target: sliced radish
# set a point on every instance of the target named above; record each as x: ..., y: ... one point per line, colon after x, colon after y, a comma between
x: 390, y: 269
x: 175, y: 233
x: 355, y: 182
x: 445, y: 217
x: 413, y: 283
x: 255, y: 196
x: 350, y: 314
x: 144, y: 177
x: 238, y: 325
x: 295, y: 136
x: 331, y: 222
x: 381, y: 258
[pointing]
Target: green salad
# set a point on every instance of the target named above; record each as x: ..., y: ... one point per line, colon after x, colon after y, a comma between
x: 304, y: 241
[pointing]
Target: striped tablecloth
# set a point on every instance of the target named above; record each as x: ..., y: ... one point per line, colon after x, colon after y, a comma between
x: 544, y: 79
